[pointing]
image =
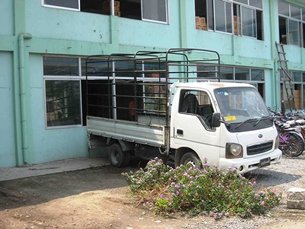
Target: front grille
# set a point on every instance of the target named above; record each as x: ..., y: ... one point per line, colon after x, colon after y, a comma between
x: 260, y: 148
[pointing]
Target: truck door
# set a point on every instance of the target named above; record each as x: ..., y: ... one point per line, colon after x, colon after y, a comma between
x: 191, y: 126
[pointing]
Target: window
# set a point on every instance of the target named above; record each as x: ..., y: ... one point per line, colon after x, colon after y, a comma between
x: 154, y: 10
x: 254, y: 76
x: 136, y: 9
x: 62, y: 91
x: 195, y: 102
x: 248, y: 18
x: 226, y: 73
x: 242, y: 74
x: 248, y: 22
x: 223, y: 18
x: 217, y: 15
x: 63, y: 102
x: 291, y: 24
x: 298, y: 82
x: 293, y: 35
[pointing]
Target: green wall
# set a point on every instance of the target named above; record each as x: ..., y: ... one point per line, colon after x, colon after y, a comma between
x: 58, y: 31
x: 7, y: 133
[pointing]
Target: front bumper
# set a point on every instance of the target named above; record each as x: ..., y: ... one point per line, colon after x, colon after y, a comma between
x: 244, y: 165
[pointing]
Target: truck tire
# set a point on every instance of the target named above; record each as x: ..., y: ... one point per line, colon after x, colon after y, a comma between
x: 190, y: 157
x: 116, y: 156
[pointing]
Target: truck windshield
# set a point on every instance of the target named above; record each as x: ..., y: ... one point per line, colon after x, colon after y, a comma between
x: 242, y: 108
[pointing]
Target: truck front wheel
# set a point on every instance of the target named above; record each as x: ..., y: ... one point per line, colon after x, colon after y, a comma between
x: 190, y: 157
x: 117, y: 157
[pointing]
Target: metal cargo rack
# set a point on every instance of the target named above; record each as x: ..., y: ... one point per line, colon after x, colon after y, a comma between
x: 135, y: 86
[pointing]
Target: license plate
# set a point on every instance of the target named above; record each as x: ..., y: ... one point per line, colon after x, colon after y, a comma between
x: 264, y: 162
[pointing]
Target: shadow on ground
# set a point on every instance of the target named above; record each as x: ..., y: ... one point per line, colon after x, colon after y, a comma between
x: 40, y: 189
x: 269, y: 178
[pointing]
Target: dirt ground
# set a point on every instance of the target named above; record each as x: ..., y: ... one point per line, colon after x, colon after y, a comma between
x: 99, y: 198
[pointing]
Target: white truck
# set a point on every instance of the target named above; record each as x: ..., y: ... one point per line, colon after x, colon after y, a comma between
x: 172, y: 105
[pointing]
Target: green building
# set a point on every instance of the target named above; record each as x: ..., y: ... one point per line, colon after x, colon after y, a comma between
x: 44, y: 43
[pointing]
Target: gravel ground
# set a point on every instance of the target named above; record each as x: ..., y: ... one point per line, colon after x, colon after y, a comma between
x: 99, y: 198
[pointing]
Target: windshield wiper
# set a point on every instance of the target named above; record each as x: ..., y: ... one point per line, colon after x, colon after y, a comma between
x: 262, y: 118
x: 246, y: 121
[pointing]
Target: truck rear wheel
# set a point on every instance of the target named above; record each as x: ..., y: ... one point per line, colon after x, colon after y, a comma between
x: 190, y: 157
x: 117, y: 157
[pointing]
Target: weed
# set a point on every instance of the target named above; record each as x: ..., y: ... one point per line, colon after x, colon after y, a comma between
x: 193, y: 190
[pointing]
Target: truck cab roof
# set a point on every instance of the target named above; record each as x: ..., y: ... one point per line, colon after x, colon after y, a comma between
x: 209, y: 85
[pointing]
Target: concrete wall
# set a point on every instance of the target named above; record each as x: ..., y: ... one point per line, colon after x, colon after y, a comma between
x: 7, y: 130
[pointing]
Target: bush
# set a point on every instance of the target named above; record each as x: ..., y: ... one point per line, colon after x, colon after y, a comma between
x: 190, y: 189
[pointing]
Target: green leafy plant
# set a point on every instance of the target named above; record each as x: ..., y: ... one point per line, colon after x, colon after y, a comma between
x: 196, y: 190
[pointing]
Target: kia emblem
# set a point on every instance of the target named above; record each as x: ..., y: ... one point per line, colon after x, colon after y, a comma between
x: 260, y: 136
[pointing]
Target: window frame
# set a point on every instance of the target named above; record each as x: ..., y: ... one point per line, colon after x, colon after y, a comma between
x: 288, y: 19
x: 112, y: 13
x: 211, y: 25
x: 151, y: 20
x: 225, y: 2
x: 254, y: 16
x: 78, y: 78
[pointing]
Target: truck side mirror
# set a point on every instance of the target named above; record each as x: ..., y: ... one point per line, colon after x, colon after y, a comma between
x: 215, y: 120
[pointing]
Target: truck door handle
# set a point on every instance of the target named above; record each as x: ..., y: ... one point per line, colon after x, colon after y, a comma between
x: 179, y: 131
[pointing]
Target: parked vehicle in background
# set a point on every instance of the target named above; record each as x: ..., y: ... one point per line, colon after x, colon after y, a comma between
x: 172, y: 105
x: 291, y: 133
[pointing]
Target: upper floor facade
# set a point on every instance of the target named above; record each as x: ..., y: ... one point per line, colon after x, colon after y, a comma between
x: 242, y: 31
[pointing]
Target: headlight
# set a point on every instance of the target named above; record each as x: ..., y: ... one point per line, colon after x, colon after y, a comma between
x: 234, y: 150
x: 277, y: 142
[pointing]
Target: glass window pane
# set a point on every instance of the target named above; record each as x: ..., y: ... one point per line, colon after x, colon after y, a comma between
x: 154, y: 10
x: 63, y: 102
x: 293, y: 32
x: 223, y: 12
x: 283, y: 29
x: 220, y: 15
x: 67, y: 3
x: 283, y: 8
x: 226, y: 73
x: 256, y: 3
x: 228, y: 18
x: 60, y: 66
x: 96, y: 67
x: 124, y: 68
x: 248, y: 22
x: 242, y: 74
x: 297, y: 76
x: 257, y: 75
x: 206, y: 71
x: 259, y: 25
x: 295, y: 12
x: 210, y: 14
x: 303, y: 14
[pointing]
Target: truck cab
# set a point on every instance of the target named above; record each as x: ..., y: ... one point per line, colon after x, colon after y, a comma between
x: 224, y: 124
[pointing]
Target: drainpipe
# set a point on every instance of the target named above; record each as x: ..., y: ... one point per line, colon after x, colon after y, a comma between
x: 20, y: 103
x: 182, y: 24
x: 275, y: 87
